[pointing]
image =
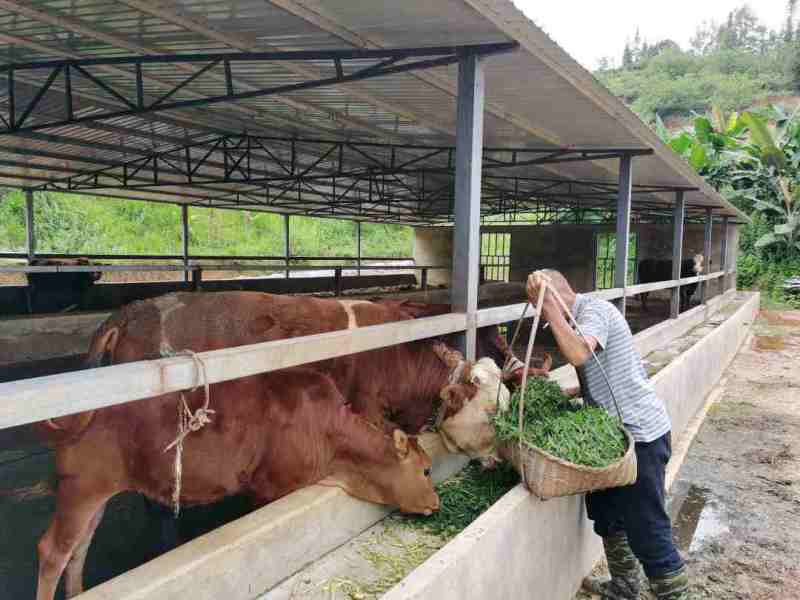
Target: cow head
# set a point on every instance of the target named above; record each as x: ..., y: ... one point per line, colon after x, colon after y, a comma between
x: 469, y: 405
x: 698, y: 264
x: 405, y: 481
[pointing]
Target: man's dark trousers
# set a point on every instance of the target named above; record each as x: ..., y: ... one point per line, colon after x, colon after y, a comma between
x: 639, y: 510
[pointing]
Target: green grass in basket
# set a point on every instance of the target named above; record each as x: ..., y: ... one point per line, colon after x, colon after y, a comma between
x: 586, y: 436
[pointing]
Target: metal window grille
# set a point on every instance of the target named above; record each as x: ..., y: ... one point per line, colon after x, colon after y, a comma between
x: 605, y: 251
x: 495, y: 256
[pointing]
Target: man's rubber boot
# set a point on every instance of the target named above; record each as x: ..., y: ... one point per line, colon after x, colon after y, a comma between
x: 624, y: 568
x: 672, y: 586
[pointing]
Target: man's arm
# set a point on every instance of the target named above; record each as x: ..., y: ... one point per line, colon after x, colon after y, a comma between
x: 572, y: 346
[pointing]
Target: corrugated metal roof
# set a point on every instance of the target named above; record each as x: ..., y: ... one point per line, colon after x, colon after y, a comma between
x: 536, y: 96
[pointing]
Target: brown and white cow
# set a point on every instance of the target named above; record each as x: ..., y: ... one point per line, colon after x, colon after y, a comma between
x: 270, y: 434
x: 401, y: 383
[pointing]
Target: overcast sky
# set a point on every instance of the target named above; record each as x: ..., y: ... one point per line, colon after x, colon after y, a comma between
x: 589, y: 29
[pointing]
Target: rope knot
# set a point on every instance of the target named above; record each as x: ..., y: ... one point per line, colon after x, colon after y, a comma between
x: 189, y: 421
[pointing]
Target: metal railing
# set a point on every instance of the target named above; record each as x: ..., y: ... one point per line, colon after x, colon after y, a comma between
x: 32, y: 400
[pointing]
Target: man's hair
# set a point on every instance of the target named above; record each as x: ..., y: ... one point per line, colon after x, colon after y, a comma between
x: 559, y: 281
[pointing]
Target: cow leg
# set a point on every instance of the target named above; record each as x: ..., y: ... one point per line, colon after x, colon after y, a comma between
x: 77, y: 506
x: 73, y: 575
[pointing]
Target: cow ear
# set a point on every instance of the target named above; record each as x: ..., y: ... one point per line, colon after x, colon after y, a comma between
x: 400, y: 443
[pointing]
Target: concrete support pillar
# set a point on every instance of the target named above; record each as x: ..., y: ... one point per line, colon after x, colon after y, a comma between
x: 623, y: 227
x: 724, y: 252
x: 185, y: 239
x: 31, y: 237
x: 678, y: 217
x: 287, y: 247
x: 704, y: 287
x: 469, y: 160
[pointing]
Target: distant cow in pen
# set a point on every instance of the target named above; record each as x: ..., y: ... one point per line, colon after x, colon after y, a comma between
x: 653, y: 269
x: 59, y: 292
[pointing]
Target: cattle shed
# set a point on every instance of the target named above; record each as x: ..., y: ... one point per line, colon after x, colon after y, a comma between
x: 460, y: 118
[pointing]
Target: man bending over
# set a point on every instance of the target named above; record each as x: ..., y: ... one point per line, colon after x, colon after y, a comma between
x: 632, y: 520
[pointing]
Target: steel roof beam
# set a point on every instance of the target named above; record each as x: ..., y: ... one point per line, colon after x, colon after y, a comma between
x: 76, y: 26
x: 421, y: 59
x: 168, y: 11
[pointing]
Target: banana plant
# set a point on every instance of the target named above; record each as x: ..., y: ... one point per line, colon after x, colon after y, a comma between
x: 775, y: 153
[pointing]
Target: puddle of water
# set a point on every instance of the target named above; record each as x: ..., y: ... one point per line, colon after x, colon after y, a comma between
x: 699, y: 521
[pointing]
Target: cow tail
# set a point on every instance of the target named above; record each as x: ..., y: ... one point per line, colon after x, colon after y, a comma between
x: 69, y: 428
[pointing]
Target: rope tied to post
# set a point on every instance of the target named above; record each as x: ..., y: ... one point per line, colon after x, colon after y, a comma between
x: 189, y: 421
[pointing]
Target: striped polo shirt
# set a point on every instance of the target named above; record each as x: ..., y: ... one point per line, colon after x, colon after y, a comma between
x: 643, y: 413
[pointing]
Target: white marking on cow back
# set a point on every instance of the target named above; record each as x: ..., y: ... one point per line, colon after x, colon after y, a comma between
x: 347, y: 305
x: 166, y: 305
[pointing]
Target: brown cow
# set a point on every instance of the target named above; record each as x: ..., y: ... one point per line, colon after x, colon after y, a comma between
x: 270, y: 434
x: 399, y: 383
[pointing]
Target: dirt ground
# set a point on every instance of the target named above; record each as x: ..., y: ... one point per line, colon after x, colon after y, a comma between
x: 736, y: 502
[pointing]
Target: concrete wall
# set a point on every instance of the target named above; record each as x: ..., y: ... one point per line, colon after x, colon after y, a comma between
x: 523, y: 547
x: 571, y: 249
x: 433, y: 246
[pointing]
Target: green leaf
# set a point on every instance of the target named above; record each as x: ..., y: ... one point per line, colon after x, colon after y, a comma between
x: 681, y: 143
x: 699, y: 157
x: 783, y: 229
x: 719, y: 117
x: 703, y: 129
x: 767, y: 240
x: 662, y: 130
x: 762, y: 137
x: 735, y: 125
x: 767, y: 206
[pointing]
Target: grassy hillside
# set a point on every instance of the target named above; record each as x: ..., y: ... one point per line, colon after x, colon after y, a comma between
x: 87, y: 225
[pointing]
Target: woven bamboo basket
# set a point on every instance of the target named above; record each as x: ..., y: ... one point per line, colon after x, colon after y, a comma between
x: 547, y: 476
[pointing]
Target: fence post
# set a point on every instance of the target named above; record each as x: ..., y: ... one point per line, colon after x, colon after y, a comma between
x: 677, y: 251
x: 337, y: 281
x: 358, y: 248
x: 31, y: 232
x: 287, y: 248
x: 423, y: 283
x: 724, y: 257
x: 707, y: 253
x: 623, y: 227
x: 185, y: 238
x: 197, y: 278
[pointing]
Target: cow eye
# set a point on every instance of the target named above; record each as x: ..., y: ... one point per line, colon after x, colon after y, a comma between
x: 427, y: 472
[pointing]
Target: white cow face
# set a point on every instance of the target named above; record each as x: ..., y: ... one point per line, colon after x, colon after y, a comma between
x: 471, y: 405
x: 698, y: 263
